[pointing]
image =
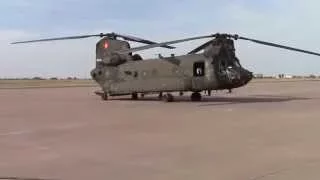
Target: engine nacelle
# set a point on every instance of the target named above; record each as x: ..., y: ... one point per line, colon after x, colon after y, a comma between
x: 114, y: 60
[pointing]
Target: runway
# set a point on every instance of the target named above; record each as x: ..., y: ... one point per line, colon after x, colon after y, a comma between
x: 260, y: 132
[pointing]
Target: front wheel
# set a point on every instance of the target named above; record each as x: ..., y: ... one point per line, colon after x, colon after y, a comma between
x: 104, y: 96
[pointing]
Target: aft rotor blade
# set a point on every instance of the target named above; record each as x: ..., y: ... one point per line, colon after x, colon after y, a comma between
x: 140, y: 40
x: 200, y: 47
x: 279, y: 46
x: 162, y: 44
x: 113, y: 35
x: 59, y: 38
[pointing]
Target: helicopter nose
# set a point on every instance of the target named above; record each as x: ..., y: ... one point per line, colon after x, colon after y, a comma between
x: 246, y: 76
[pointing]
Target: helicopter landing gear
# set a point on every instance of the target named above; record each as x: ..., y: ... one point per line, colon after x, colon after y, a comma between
x: 209, y: 92
x: 196, y: 96
x: 168, y: 98
x: 160, y: 95
x: 104, y: 96
x: 134, y: 96
x: 180, y: 93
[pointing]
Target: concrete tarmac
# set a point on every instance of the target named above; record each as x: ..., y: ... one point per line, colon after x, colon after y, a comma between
x: 263, y: 131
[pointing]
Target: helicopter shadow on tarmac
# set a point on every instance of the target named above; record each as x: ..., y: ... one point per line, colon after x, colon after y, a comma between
x: 224, y: 100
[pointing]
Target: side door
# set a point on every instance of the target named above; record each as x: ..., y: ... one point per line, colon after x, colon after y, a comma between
x: 198, y: 79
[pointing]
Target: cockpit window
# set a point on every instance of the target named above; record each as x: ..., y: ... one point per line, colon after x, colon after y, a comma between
x: 237, y: 64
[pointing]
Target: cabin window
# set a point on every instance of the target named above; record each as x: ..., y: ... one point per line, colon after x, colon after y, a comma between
x: 198, y: 69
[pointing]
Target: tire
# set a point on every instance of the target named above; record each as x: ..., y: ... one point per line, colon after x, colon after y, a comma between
x: 104, y: 96
x: 196, y: 97
x: 134, y: 96
x: 136, y: 57
x: 168, y: 98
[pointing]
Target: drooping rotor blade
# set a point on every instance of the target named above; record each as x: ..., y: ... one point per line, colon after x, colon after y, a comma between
x: 111, y: 35
x: 279, y: 46
x: 140, y: 40
x: 60, y: 38
x: 163, y: 43
x: 200, y: 47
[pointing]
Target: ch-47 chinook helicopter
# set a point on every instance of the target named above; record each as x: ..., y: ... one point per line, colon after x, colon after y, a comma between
x: 120, y: 72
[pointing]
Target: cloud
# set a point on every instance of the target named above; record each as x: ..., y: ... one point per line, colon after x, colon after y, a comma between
x: 291, y: 23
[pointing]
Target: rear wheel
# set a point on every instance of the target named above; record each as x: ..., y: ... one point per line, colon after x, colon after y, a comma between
x: 180, y: 93
x: 168, y: 98
x: 196, y: 96
x: 134, y: 96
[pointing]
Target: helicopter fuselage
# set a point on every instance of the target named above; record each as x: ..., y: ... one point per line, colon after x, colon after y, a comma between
x: 195, y: 72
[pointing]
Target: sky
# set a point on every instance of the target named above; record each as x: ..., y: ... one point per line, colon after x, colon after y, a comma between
x: 290, y: 22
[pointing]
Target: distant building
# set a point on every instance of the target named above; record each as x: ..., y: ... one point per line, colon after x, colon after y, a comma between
x: 288, y: 76
x: 72, y: 78
x: 38, y: 78
x: 312, y: 76
x: 284, y: 76
x: 258, y: 76
x: 298, y: 77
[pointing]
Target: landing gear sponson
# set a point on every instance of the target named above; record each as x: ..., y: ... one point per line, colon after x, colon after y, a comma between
x: 168, y: 97
x: 195, y: 96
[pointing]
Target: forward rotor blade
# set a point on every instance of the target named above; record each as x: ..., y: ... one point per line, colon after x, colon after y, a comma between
x: 162, y: 44
x: 279, y: 46
x: 59, y: 38
x: 140, y: 40
x: 200, y: 47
